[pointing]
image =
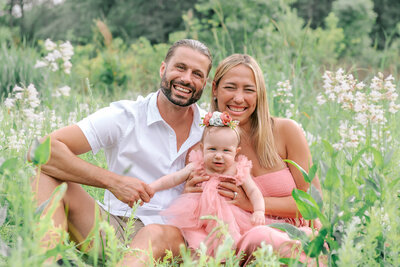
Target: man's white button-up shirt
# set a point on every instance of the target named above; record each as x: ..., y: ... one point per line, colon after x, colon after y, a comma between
x: 137, y: 142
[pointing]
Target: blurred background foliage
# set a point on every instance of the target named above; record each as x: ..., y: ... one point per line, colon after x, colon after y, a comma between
x: 119, y: 44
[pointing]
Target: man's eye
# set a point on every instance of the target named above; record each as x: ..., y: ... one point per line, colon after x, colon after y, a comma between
x: 198, y: 75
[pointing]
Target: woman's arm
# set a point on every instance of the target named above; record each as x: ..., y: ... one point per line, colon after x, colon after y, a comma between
x: 172, y: 179
x: 275, y: 206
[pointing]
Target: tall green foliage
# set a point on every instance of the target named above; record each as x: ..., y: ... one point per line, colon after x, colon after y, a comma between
x: 357, y: 19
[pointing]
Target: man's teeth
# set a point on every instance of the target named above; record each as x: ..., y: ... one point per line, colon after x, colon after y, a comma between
x: 236, y: 109
x: 182, y: 89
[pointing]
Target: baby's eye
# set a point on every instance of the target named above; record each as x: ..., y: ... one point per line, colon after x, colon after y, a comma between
x: 227, y: 150
x: 212, y: 148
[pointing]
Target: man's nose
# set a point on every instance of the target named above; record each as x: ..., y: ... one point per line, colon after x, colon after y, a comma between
x: 186, y: 77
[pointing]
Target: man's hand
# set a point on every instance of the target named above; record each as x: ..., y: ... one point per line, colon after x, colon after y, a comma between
x: 129, y: 190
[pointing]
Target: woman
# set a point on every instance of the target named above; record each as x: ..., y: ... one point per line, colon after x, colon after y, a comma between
x: 239, y: 89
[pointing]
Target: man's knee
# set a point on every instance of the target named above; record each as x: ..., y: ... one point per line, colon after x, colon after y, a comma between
x: 161, y: 237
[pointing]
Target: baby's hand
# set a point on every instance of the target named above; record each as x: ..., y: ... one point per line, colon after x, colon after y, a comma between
x: 151, y: 191
x: 258, y: 218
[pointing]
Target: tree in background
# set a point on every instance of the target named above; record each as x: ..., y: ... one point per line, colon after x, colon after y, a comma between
x: 129, y: 20
x: 357, y: 19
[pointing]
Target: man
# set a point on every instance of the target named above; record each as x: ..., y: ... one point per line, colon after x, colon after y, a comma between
x: 147, y: 138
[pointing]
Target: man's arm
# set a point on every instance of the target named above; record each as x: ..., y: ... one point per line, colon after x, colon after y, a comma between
x: 65, y: 165
x: 172, y: 179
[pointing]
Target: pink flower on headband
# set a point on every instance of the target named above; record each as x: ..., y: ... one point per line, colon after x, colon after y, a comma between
x: 226, y: 119
x: 206, y: 119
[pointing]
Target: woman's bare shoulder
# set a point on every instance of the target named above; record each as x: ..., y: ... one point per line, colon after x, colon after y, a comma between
x: 284, y: 125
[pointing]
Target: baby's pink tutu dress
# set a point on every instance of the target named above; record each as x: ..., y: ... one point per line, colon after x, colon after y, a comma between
x: 186, y: 210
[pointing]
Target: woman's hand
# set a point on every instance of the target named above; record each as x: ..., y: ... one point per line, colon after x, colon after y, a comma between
x: 229, y: 189
x: 193, y: 184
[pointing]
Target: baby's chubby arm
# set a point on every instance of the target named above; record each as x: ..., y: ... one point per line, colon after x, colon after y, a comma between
x: 172, y: 179
x: 256, y: 199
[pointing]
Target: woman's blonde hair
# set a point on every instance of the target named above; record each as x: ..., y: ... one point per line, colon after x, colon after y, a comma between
x: 261, y: 120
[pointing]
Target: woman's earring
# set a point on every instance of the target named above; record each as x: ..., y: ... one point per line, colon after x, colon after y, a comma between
x: 215, y: 98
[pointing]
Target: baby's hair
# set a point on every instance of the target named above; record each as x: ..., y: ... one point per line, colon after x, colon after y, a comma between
x: 207, y: 129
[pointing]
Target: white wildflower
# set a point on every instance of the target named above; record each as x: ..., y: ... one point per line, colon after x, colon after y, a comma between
x: 321, y: 99
x: 53, y: 66
x: 67, y: 67
x: 67, y: 50
x: 64, y: 90
x: 9, y: 103
x: 338, y: 146
x: 40, y: 64
x: 375, y: 95
x: 360, y: 85
x: 19, y: 96
x: 49, y: 45
x: 17, y: 89
x: 393, y: 107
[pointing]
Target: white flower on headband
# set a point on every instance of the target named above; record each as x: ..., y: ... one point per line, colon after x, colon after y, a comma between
x: 219, y: 119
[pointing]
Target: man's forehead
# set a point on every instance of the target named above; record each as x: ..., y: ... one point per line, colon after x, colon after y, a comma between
x: 184, y: 51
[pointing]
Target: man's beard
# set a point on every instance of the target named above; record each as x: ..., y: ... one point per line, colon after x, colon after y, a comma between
x: 166, y: 88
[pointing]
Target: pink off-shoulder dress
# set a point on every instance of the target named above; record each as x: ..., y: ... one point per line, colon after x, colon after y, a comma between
x: 276, y: 184
x: 185, y: 212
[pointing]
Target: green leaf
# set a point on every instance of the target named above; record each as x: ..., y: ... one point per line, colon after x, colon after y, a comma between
x: 314, y: 248
x: 329, y: 148
x: 9, y: 164
x: 332, y: 181
x: 55, y: 197
x: 40, y: 152
x: 378, y: 158
x: 357, y: 157
x: 388, y: 157
x: 305, y: 174
x: 307, y: 206
x: 292, y: 231
x: 292, y: 262
x: 316, y: 195
x: 312, y: 171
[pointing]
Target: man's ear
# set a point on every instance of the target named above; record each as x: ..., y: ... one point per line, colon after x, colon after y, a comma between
x: 162, y: 68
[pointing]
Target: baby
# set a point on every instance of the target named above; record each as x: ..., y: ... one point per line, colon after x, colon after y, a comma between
x: 218, y: 159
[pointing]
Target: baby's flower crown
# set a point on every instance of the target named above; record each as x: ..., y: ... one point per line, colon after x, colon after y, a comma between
x: 219, y: 119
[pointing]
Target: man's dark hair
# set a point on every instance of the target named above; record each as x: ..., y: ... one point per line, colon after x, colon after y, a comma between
x: 195, y: 45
